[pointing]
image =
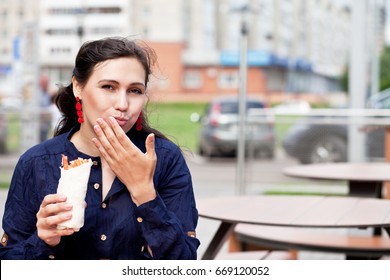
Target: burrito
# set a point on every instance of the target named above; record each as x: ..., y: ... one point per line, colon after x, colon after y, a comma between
x: 73, y: 183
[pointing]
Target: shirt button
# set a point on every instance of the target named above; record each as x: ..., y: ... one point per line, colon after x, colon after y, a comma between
x: 51, y: 257
x: 103, y: 237
x: 104, y: 205
x: 96, y: 186
x: 140, y: 220
x: 95, y: 162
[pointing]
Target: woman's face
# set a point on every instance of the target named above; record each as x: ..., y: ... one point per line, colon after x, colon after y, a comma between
x: 116, y: 88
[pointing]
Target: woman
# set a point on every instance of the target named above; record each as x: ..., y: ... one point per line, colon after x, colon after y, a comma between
x: 140, y: 201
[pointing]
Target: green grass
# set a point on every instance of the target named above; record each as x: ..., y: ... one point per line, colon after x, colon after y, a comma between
x: 173, y: 119
x: 13, y: 132
x: 299, y: 193
x: 4, y: 185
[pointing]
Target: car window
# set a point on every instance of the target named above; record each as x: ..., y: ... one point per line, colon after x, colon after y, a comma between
x: 383, y: 103
x: 380, y: 100
x: 232, y: 107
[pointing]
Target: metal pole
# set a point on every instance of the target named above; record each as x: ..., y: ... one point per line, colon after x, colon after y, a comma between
x: 358, y: 77
x: 242, y: 105
x: 80, y: 30
x: 30, y: 114
x: 374, y: 48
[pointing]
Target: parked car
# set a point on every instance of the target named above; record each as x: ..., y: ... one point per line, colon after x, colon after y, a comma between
x: 311, y: 142
x: 293, y: 106
x: 219, y: 128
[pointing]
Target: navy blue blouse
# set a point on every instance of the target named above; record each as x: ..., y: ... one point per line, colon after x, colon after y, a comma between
x: 114, y: 228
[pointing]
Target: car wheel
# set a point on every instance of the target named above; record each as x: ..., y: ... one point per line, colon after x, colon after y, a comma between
x: 326, y: 149
x: 201, y: 151
x: 205, y: 152
x: 263, y: 153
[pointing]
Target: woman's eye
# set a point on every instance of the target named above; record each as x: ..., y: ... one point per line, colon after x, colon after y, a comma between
x: 108, y: 87
x: 136, y: 91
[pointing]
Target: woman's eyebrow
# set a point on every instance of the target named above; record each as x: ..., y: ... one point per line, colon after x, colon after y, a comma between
x: 116, y: 82
x: 108, y: 81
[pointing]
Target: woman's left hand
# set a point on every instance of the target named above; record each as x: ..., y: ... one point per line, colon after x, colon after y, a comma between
x: 133, y: 167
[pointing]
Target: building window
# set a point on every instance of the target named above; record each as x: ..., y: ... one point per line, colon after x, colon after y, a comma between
x: 89, y: 10
x: 192, y: 79
x: 228, y: 79
x: 60, y: 31
x: 105, y: 30
x: 60, y: 50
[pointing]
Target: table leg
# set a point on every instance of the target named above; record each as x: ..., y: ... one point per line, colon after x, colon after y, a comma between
x: 223, y: 232
x: 365, y: 189
x: 387, y: 229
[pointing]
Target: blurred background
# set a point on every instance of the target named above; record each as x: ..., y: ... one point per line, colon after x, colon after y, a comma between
x: 316, y: 74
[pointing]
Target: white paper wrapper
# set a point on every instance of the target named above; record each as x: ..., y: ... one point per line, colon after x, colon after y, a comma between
x: 73, y: 183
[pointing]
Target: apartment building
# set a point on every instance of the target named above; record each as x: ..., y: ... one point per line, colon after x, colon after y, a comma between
x: 293, y: 45
x: 65, y: 25
x: 14, y: 18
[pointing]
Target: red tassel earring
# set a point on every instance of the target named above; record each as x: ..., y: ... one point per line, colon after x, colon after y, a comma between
x: 138, y: 125
x: 79, y: 111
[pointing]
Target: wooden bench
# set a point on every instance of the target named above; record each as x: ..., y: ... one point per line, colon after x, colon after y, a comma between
x: 255, y: 237
x: 255, y: 255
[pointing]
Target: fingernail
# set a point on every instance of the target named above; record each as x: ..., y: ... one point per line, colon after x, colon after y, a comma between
x: 68, y: 206
x: 97, y: 128
x: 67, y: 215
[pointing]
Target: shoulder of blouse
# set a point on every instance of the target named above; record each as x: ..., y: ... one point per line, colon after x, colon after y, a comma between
x: 166, y: 146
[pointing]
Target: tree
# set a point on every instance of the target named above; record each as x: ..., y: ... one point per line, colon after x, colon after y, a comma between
x: 384, y: 76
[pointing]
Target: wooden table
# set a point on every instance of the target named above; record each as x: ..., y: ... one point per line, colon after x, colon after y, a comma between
x: 292, y: 211
x: 364, y: 179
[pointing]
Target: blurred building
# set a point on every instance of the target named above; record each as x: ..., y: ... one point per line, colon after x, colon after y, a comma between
x: 14, y: 16
x: 294, y: 46
x: 65, y: 25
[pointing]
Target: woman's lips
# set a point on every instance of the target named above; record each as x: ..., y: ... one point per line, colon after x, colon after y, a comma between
x: 121, y: 122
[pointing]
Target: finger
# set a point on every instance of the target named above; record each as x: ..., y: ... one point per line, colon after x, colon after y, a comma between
x: 55, y: 208
x: 61, y: 232
x: 54, y: 232
x: 121, y: 136
x: 52, y: 198
x: 101, y: 149
x: 106, y: 137
x: 46, y: 213
x: 53, y: 221
x: 149, y: 143
x: 109, y: 130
